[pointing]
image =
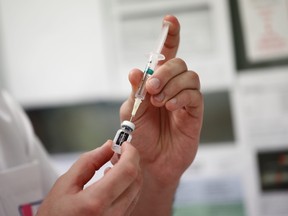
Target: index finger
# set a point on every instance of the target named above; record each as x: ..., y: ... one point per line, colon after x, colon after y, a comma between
x: 119, y: 178
x: 84, y: 168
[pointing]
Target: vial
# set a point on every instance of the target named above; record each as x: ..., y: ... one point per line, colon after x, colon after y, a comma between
x: 122, y: 135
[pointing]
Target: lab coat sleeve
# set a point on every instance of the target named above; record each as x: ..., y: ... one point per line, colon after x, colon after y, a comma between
x: 48, y: 170
x: 24, y: 144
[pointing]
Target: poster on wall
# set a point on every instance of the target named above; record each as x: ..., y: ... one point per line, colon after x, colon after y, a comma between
x: 260, y: 32
x: 265, y: 28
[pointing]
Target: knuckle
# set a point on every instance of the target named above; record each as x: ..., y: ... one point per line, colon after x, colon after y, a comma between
x: 170, y: 65
x: 180, y: 61
x: 193, y: 76
x: 166, y: 67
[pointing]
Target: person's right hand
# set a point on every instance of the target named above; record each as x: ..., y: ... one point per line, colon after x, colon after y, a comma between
x: 114, y: 194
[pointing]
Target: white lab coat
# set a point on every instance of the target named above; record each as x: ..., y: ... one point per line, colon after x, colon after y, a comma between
x: 26, y: 173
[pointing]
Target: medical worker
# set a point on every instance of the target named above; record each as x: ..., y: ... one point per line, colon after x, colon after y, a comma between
x: 143, y: 180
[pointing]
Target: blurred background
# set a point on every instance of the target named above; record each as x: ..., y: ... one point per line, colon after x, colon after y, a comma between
x: 67, y: 63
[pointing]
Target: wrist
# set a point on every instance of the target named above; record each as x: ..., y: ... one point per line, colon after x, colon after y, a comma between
x: 156, y: 197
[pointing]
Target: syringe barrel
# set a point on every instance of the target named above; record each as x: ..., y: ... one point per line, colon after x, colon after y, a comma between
x: 141, y: 92
x: 154, y: 58
x: 149, y: 70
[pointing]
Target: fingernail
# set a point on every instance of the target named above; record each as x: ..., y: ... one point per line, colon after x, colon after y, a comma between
x: 160, y: 97
x: 154, y: 83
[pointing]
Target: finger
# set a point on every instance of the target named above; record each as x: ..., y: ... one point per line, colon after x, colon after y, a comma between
x: 135, y: 77
x: 185, y: 81
x: 188, y: 105
x: 119, y: 178
x: 165, y: 74
x: 84, y: 168
x: 173, y: 38
x: 107, y: 170
x: 190, y: 99
x: 115, y: 158
x: 127, y: 200
x: 169, y: 49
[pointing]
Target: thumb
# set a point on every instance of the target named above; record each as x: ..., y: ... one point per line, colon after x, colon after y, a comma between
x: 84, y: 168
x: 135, y: 77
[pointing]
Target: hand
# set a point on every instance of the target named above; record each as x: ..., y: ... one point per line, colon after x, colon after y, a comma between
x: 114, y: 194
x: 169, y: 120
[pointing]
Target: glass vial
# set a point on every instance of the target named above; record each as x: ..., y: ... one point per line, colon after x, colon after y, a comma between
x: 122, y: 135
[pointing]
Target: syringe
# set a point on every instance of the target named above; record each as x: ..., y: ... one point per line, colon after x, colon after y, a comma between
x: 154, y: 58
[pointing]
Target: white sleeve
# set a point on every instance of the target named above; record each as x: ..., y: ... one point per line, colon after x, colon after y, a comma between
x: 19, y: 142
x: 48, y: 171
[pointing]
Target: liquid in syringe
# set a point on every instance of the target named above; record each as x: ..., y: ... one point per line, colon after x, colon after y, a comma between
x: 154, y: 58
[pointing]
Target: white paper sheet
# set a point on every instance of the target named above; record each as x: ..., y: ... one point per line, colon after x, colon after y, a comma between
x: 265, y: 29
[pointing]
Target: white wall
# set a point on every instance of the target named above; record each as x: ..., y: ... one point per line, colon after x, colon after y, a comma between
x: 52, y: 51
x: 62, y: 51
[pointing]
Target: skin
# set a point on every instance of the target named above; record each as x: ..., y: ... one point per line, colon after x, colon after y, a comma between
x: 144, y: 179
x: 168, y: 124
x: 114, y: 194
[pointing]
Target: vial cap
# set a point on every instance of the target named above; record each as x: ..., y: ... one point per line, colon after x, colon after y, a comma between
x: 128, y: 124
